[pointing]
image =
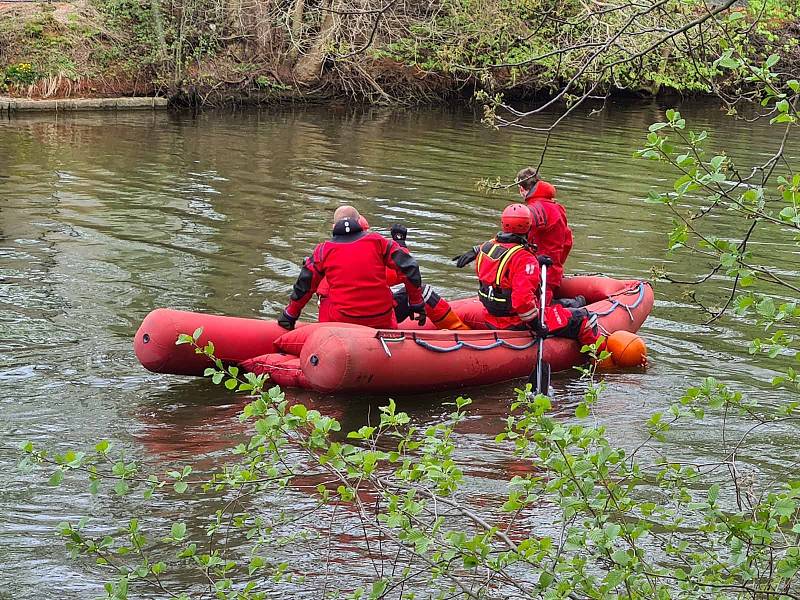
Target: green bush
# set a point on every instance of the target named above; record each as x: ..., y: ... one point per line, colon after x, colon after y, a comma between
x: 21, y: 74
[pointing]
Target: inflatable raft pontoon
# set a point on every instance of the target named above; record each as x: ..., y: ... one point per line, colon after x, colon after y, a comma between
x: 339, y: 357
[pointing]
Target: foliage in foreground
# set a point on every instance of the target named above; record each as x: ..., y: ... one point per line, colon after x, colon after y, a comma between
x: 582, y: 518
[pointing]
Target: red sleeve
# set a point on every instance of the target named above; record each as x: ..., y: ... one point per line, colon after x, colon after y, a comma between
x: 524, y: 285
x: 567, y: 243
x: 393, y: 277
x: 399, y: 259
x: 311, y: 274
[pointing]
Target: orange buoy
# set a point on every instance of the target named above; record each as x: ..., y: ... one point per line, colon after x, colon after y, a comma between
x: 627, y: 349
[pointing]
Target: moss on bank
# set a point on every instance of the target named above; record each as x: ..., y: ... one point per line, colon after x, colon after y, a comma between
x: 210, y: 51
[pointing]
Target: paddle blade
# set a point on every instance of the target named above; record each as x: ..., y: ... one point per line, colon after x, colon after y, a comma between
x: 540, y: 379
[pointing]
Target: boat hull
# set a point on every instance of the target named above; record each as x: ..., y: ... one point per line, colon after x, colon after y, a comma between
x: 336, y: 357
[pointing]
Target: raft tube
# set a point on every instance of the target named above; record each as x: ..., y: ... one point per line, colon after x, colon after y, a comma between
x: 338, y: 357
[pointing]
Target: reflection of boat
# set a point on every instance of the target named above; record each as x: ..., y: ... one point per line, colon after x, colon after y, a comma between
x: 335, y: 357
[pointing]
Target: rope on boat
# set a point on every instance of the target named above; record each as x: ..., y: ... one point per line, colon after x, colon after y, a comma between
x: 615, y: 304
x: 461, y: 344
x: 387, y: 337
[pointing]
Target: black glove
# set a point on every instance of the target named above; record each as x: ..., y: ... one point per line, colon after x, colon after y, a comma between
x: 544, y: 260
x: 417, y: 309
x: 539, y: 326
x: 399, y: 234
x: 464, y: 259
x: 287, y: 321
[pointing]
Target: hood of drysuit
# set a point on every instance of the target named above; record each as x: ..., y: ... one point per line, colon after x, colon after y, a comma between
x: 542, y: 190
x: 504, y: 237
x: 347, y: 228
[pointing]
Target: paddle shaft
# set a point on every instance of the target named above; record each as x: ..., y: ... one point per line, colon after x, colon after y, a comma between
x: 540, y: 364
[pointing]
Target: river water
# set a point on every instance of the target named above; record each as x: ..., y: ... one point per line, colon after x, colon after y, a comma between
x: 105, y: 217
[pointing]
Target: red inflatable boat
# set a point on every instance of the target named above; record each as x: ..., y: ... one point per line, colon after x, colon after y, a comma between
x: 337, y: 357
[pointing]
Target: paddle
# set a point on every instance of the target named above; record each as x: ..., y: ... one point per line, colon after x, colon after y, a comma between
x: 540, y: 378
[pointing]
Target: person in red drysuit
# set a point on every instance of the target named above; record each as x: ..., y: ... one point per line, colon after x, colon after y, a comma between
x: 509, y: 276
x: 550, y: 232
x: 437, y: 308
x: 550, y: 235
x: 354, y: 263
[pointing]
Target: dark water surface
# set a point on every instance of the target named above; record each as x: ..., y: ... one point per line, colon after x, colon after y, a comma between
x: 105, y: 217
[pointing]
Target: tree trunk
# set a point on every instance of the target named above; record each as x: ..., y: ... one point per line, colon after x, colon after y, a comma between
x: 309, y: 66
x: 296, y: 29
x: 158, y: 24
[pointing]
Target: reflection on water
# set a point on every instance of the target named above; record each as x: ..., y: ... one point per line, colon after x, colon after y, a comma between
x: 104, y: 217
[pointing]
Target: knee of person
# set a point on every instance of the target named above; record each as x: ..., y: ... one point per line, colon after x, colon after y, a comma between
x: 579, y: 312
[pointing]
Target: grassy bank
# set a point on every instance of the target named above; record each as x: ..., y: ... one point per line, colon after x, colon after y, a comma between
x: 213, y: 51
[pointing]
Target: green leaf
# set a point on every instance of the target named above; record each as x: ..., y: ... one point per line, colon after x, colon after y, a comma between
x: 218, y: 377
x: 231, y: 384
x: 713, y: 493
x: 121, y: 488
x: 378, y: 589
x: 771, y: 61
x: 184, y: 339
x: 197, y: 333
x: 178, y: 530
x: 785, y: 507
x: 727, y: 62
x: 180, y: 486
x: 256, y: 563
x: 57, y: 477
x: 582, y: 411
x: 782, y: 118
x: 621, y: 557
x: 299, y: 410
x: 545, y: 579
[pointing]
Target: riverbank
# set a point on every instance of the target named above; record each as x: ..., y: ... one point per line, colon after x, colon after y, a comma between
x: 386, y: 53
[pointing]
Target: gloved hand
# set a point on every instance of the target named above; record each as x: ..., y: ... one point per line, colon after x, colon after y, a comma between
x: 287, y: 321
x: 464, y: 259
x: 539, y: 326
x: 544, y: 260
x: 399, y: 234
x: 417, y: 309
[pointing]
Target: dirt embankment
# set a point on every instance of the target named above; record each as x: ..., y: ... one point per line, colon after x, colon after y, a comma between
x: 252, y: 51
